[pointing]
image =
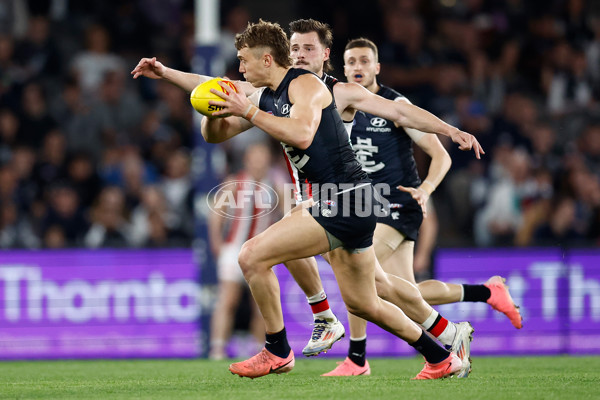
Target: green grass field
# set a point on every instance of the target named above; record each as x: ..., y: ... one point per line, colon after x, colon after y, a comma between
x: 492, y: 378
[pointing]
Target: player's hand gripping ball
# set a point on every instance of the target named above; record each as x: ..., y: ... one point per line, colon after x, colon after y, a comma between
x: 201, y: 95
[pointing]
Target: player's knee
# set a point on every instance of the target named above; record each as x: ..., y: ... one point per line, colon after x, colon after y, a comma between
x: 383, y: 286
x: 247, y: 259
x: 411, y: 294
x: 357, y: 310
x: 425, y: 285
x: 363, y: 310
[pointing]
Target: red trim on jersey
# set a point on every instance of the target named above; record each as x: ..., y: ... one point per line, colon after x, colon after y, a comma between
x: 289, y: 166
x: 290, y: 170
x: 308, y: 189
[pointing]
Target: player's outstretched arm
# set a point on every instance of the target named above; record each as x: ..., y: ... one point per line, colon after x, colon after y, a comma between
x: 154, y: 69
x: 406, y: 115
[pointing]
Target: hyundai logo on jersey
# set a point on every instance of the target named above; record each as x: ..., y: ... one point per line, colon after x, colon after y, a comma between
x: 378, y: 122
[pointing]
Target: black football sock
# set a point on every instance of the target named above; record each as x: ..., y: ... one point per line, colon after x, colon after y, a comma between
x: 277, y: 344
x: 357, y: 352
x: 430, y: 349
x: 478, y: 293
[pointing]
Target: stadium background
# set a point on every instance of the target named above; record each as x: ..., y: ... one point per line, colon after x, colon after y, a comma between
x: 92, y: 161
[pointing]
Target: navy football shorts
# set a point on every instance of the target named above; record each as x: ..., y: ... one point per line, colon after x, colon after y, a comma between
x: 405, y: 215
x: 348, y: 212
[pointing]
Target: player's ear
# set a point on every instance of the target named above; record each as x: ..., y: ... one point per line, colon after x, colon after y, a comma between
x: 377, y: 68
x: 327, y: 53
x: 267, y: 60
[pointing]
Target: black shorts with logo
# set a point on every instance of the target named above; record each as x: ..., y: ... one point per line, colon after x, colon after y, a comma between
x: 405, y: 215
x: 349, y: 212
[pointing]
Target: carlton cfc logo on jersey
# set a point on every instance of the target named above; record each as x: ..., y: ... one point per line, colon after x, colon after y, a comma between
x: 378, y: 122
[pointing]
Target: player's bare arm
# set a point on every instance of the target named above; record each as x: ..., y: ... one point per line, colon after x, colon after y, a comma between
x: 417, y: 118
x: 218, y: 130
x: 154, y: 69
x: 308, y: 95
x: 440, y: 162
x: 354, y: 96
x: 438, y: 168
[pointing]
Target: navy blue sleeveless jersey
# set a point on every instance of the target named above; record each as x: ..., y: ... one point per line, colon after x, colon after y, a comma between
x: 330, y: 81
x: 329, y: 158
x: 386, y: 154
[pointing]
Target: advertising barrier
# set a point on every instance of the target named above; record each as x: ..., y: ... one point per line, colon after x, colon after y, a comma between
x: 558, y: 291
x: 100, y: 304
x: 146, y: 303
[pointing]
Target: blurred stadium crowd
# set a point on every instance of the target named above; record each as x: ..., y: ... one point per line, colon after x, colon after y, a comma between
x: 91, y: 158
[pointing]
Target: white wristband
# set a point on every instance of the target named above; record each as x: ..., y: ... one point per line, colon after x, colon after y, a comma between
x: 255, y: 114
x: 248, y: 110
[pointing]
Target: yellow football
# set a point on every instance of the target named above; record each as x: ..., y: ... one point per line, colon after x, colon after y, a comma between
x: 201, y: 95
